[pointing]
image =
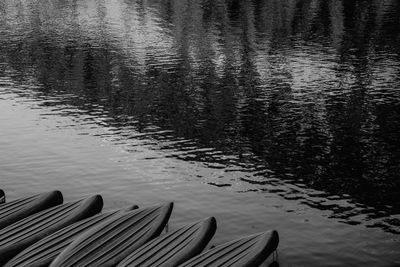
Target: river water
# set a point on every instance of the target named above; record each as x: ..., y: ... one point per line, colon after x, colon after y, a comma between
x: 274, y: 114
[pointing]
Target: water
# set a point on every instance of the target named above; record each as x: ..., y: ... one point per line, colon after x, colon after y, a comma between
x: 266, y: 114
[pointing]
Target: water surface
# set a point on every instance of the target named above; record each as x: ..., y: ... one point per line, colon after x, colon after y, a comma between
x: 265, y: 114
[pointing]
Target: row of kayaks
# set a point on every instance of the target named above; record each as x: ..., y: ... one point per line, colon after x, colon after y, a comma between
x: 41, y: 230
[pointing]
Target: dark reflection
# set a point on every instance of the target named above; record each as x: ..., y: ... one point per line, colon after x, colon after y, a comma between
x: 291, y: 92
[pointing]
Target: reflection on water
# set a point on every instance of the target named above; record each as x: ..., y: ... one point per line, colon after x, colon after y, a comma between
x: 297, y: 98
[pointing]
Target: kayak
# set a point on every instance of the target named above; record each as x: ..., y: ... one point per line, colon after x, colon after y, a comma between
x: 173, y: 248
x: 20, y: 235
x: 42, y: 253
x: 248, y: 251
x: 2, y: 197
x: 16, y: 210
x: 113, y: 240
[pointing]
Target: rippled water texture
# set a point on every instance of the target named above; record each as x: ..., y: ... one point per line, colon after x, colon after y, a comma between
x: 267, y: 114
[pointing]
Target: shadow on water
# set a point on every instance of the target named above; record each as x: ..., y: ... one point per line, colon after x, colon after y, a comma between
x: 298, y: 97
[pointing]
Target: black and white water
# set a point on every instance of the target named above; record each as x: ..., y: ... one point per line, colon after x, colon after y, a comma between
x: 280, y: 114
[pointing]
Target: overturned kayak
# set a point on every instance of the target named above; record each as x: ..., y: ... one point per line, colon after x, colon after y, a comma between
x: 42, y: 253
x: 16, y: 210
x: 18, y: 236
x: 113, y: 240
x: 2, y: 197
x: 248, y: 251
x: 173, y: 248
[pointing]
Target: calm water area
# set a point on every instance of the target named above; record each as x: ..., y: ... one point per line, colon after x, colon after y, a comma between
x: 274, y: 114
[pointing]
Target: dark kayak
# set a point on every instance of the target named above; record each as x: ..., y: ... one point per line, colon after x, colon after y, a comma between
x: 248, y: 251
x: 2, y: 197
x: 42, y: 253
x: 113, y: 240
x: 20, y: 235
x: 173, y: 248
x: 16, y: 210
